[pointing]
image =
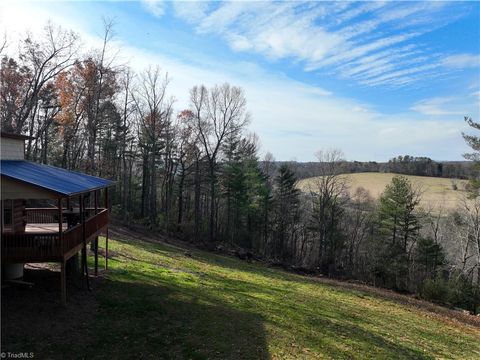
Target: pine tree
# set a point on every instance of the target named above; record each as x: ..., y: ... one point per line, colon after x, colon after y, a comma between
x: 287, y: 203
x: 474, y: 142
x: 398, y: 226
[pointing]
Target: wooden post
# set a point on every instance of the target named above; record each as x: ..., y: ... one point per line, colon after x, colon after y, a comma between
x: 72, y: 264
x: 84, y: 248
x: 80, y: 214
x: 96, y: 201
x: 1, y: 215
x: 63, y: 270
x: 96, y: 255
x: 63, y: 283
x: 60, y: 220
x: 106, y: 198
x: 106, y: 249
x: 106, y: 235
x: 96, y: 237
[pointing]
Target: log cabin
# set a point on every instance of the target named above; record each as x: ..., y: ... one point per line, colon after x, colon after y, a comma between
x: 48, y: 214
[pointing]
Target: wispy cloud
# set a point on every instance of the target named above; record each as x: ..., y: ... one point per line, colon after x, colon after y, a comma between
x: 190, y: 11
x: 461, y: 61
x: 340, y: 38
x: 441, y: 106
x: 155, y: 7
x: 294, y: 119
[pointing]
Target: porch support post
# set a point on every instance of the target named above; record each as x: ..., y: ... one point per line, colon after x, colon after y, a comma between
x: 106, y: 198
x: 60, y: 220
x: 106, y: 235
x: 96, y: 201
x: 63, y: 283
x: 1, y: 215
x: 96, y: 255
x: 106, y: 249
x: 95, y: 193
x: 84, y: 248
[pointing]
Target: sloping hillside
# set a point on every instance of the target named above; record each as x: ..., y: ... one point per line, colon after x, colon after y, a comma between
x: 436, y: 192
x: 161, y: 301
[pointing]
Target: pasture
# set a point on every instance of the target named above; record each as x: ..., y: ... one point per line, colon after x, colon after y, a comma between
x: 436, y: 193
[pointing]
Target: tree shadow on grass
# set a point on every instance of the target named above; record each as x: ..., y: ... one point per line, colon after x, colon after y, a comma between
x: 199, y: 320
x: 324, y: 328
x: 139, y: 313
x: 165, y: 321
x: 337, y: 334
x: 33, y: 319
x: 126, y: 320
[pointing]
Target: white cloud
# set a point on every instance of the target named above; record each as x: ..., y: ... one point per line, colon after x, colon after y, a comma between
x: 292, y: 119
x: 339, y: 37
x: 441, y: 106
x: 190, y: 11
x: 461, y: 61
x: 271, y: 29
x: 155, y: 7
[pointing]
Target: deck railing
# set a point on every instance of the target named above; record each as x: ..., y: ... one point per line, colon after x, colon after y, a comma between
x: 73, y: 237
x: 96, y: 223
x: 31, y: 246
x: 49, y: 215
x: 40, y: 247
x: 41, y: 215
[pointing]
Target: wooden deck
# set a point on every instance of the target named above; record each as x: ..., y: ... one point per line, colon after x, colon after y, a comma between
x: 42, y: 242
x: 44, y: 228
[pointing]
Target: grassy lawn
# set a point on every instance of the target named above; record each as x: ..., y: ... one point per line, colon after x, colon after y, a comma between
x: 156, y: 301
x: 436, y: 192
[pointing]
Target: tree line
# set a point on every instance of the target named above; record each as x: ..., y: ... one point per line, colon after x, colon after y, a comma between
x: 405, y: 165
x: 195, y: 173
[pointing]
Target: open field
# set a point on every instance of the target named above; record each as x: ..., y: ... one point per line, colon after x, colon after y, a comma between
x: 436, y: 192
x: 159, y: 301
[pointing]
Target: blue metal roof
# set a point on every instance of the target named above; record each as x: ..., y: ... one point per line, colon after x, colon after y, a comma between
x: 58, y: 180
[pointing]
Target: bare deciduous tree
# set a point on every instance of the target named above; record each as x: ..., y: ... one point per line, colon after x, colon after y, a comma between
x: 219, y: 113
x: 154, y: 109
x: 45, y: 58
x: 328, y: 194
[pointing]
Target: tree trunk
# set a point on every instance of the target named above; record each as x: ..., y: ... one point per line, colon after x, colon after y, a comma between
x: 180, y: 195
x: 197, y: 199
x: 212, y: 203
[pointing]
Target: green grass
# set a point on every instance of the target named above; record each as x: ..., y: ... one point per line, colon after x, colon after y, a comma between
x: 156, y: 302
x: 436, y: 192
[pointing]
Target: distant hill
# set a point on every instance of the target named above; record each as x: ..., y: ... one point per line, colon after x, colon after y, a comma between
x: 437, y: 192
x: 406, y: 165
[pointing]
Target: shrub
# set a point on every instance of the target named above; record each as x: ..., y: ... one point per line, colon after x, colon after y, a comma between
x: 457, y: 292
x: 436, y: 290
x: 463, y: 294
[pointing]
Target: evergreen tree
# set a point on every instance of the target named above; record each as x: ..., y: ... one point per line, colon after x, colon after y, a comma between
x: 286, y: 200
x: 429, y: 256
x: 398, y: 224
x: 474, y: 142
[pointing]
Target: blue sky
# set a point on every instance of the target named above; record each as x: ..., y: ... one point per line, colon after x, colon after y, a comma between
x: 375, y: 79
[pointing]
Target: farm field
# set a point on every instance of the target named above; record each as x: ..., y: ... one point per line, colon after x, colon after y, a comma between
x: 160, y: 301
x: 436, y: 192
